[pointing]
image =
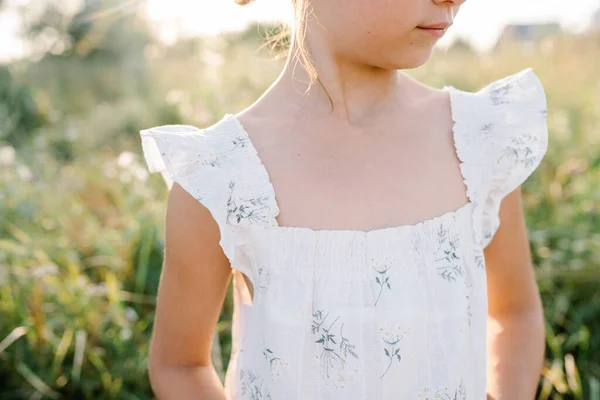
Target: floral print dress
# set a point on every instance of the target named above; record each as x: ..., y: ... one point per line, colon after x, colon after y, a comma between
x: 393, y: 313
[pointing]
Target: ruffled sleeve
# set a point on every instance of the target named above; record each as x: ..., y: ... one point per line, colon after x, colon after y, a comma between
x: 192, y: 157
x: 517, y: 136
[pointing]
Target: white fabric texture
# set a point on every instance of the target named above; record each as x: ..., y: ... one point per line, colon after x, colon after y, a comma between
x: 393, y: 313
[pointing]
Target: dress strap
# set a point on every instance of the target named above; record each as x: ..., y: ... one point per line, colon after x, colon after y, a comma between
x: 501, y: 137
x: 218, y: 166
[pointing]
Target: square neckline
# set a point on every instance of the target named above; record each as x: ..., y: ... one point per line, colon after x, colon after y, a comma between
x: 362, y: 232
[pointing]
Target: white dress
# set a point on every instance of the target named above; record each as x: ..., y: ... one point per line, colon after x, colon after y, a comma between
x: 394, y: 313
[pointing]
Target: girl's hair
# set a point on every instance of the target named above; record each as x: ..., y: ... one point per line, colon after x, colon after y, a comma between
x: 298, y: 35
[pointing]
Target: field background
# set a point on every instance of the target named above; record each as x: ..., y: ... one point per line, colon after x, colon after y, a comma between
x: 81, y: 221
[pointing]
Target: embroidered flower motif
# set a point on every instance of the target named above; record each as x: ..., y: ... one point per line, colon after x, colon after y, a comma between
x: 277, y: 366
x: 468, y: 311
x: 483, y: 236
x: 209, y: 158
x: 240, y: 141
x: 450, y: 263
x: 487, y: 129
x: 270, y: 357
x: 392, y: 339
x: 333, y: 355
x: 346, y: 346
x: 520, y: 150
x: 382, y: 279
x: 459, y: 393
x: 251, y: 386
x: 263, y: 280
x: 253, y: 210
x: 499, y: 95
x: 479, y: 259
x: 418, y: 243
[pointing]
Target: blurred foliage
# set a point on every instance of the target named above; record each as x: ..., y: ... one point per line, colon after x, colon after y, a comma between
x: 19, y: 116
x: 81, y: 237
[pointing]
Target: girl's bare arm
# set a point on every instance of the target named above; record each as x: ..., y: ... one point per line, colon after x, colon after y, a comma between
x: 191, y: 292
x: 515, y: 315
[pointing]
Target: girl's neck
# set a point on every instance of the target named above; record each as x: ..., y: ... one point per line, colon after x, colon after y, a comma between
x: 346, y: 89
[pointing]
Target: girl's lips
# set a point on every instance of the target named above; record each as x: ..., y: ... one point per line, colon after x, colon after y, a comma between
x: 437, y: 32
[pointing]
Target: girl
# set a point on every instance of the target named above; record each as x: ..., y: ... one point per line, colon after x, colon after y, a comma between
x: 373, y: 225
